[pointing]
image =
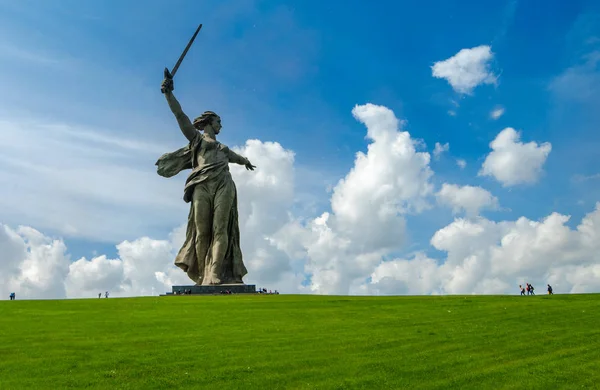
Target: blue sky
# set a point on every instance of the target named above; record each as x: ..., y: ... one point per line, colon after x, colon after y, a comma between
x: 292, y: 73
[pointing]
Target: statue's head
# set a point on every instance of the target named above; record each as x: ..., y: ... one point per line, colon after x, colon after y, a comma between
x: 208, y: 118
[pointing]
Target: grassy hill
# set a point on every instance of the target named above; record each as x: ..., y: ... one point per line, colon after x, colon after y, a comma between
x: 302, y: 342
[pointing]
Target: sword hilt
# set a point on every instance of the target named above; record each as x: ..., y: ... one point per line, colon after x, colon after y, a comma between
x: 168, y: 76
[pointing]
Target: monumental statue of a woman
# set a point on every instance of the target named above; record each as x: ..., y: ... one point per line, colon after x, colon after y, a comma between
x: 211, y: 253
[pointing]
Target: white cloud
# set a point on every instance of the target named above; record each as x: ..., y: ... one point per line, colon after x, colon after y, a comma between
x: 85, y: 277
x: 392, y: 179
x: 466, y: 69
x: 10, y: 52
x: 265, y: 197
x: 341, y: 251
x: 579, y: 83
x: 485, y: 257
x: 582, y: 178
x: 439, y: 149
x: 84, y: 179
x: 468, y: 199
x: 32, y: 264
x: 482, y: 257
x: 513, y: 162
x: 415, y: 277
x: 461, y: 163
x: 497, y: 113
x: 37, y: 266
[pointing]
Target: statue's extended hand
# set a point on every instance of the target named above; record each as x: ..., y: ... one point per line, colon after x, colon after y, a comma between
x: 249, y: 166
x: 167, y: 86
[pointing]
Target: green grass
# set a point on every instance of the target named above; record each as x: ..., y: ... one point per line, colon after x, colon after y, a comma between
x: 302, y: 342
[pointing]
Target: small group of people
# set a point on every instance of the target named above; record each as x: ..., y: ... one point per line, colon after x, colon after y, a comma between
x: 105, y: 295
x: 264, y: 291
x: 187, y: 291
x: 12, y: 296
x: 530, y: 290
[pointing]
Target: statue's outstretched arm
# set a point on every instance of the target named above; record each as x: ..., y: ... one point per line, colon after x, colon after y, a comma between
x: 185, y: 124
x: 237, y: 159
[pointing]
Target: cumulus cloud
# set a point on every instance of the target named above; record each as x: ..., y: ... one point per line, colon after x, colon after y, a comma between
x: 134, y: 272
x: 497, y: 113
x: 513, y: 162
x: 481, y: 257
x: 368, y: 206
x: 466, y: 69
x: 32, y: 264
x: 37, y: 266
x: 265, y: 197
x: 346, y: 249
x: 461, y: 163
x: 88, y: 277
x: 439, y: 149
x: 468, y: 199
x: 486, y: 257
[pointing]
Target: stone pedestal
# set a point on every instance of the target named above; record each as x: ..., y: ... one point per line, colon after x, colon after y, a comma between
x: 234, y: 288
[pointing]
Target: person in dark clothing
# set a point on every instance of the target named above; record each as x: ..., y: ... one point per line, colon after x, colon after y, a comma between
x: 531, y: 289
x: 550, y: 290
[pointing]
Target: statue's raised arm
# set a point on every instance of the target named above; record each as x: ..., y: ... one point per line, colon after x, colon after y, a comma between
x: 185, y: 124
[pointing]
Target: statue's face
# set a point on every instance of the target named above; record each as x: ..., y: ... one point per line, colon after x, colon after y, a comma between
x: 216, y: 125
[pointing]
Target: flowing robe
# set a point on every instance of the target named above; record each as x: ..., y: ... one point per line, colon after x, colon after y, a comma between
x: 211, y: 252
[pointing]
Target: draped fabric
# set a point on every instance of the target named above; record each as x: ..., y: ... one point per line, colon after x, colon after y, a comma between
x: 211, y: 253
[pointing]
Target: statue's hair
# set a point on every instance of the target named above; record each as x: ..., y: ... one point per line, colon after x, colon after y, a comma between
x: 204, y: 119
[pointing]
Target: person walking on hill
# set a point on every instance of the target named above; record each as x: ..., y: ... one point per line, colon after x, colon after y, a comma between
x: 528, y: 289
x: 531, y: 289
x: 522, y: 290
x: 550, y: 290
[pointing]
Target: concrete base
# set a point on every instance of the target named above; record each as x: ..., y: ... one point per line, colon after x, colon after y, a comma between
x: 204, y: 290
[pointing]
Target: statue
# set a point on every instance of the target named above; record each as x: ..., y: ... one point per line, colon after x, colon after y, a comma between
x: 211, y: 253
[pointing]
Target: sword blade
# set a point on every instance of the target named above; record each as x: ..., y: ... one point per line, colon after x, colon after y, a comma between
x: 185, y: 51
